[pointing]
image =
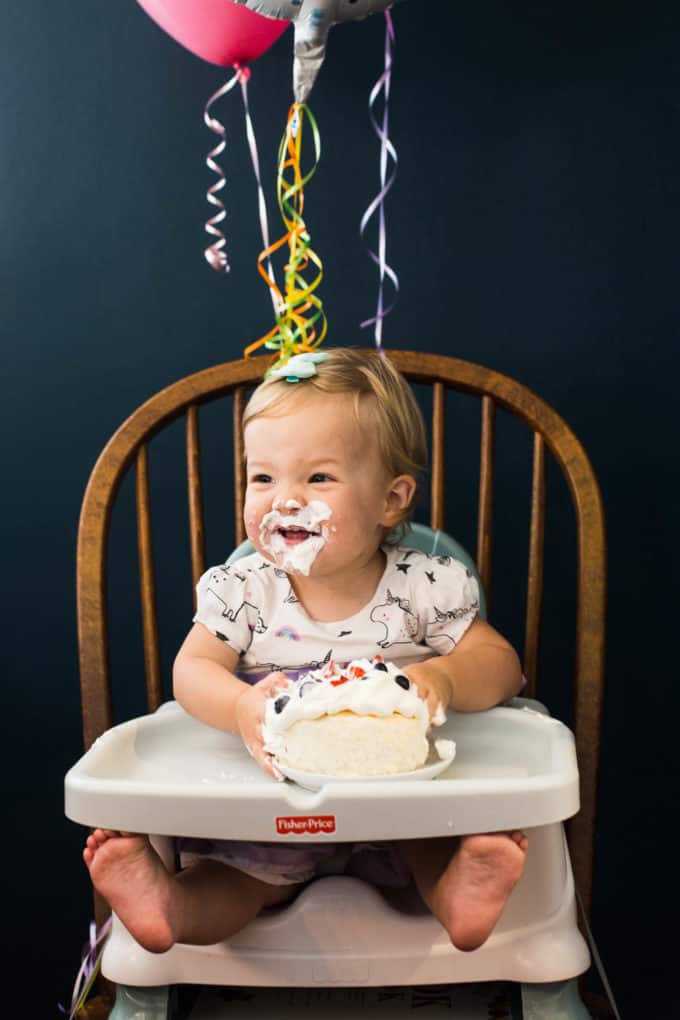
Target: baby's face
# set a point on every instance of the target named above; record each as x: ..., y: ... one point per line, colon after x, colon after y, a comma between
x: 317, y: 491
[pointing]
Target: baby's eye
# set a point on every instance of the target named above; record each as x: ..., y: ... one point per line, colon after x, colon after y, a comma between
x: 263, y: 479
x: 320, y: 476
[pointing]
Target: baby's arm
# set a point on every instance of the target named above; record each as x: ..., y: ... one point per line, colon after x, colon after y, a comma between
x: 481, y: 671
x: 205, y: 686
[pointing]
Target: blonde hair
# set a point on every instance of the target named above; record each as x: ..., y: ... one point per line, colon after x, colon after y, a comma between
x: 374, y: 383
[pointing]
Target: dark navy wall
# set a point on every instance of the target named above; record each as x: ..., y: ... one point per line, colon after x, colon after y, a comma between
x: 535, y: 229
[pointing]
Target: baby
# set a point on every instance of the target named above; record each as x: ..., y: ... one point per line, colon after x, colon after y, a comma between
x: 334, y: 446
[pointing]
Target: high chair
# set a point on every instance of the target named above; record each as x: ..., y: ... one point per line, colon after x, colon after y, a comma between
x: 515, y: 766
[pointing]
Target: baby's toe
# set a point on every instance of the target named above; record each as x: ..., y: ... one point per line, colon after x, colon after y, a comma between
x: 520, y: 839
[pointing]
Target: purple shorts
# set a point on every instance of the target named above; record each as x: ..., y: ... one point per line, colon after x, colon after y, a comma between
x: 294, y: 863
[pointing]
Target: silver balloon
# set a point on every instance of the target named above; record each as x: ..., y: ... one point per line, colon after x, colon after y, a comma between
x: 312, y: 21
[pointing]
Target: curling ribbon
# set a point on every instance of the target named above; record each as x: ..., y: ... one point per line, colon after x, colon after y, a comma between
x: 387, y: 150
x: 252, y: 145
x: 216, y: 254
x: 89, y: 968
x: 300, y: 319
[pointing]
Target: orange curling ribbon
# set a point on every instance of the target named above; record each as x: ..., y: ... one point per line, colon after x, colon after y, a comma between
x: 300, y: 321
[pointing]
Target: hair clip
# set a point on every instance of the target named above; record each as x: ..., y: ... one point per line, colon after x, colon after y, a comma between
x: 300, y: 366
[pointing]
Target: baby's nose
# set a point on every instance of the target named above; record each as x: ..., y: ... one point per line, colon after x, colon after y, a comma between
x: 292, y: 506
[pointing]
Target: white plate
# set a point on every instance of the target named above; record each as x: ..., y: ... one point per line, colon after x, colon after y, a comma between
x: 432, y: 767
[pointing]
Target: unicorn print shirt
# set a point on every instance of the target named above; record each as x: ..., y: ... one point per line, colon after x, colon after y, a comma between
x: 422, y: 606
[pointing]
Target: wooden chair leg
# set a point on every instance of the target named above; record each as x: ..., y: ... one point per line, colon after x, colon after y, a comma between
x: 100, y: 1005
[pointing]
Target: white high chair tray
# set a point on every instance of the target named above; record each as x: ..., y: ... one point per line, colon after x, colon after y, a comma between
x: 168, y: 774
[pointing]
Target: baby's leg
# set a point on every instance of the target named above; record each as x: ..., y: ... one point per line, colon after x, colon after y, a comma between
x: 204, y: 904
x: 466, y: 883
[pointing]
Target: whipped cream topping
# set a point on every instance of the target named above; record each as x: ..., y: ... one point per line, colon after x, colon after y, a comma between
x: 366, y: 687
x: 279, y: 533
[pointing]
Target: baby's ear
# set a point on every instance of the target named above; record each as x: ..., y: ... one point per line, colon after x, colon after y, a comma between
x: 399, y: 497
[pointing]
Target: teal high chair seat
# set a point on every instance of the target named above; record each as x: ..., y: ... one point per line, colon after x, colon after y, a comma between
x: 340, y: 931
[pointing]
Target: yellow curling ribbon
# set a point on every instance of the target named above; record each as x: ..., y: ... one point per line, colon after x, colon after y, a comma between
x: 300, y: 322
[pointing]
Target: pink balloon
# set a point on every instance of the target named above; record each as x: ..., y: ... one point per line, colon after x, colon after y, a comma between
x: 222, y: 32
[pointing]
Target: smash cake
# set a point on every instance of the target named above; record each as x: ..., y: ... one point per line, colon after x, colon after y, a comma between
x: 366, y: 719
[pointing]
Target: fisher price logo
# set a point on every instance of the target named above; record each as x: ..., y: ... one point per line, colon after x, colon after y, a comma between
x: 298, y: 824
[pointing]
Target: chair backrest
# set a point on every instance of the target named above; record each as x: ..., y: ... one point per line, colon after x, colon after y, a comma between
x: 233, y: 380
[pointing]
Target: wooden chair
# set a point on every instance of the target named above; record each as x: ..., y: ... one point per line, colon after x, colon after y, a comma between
x: 233, y: 380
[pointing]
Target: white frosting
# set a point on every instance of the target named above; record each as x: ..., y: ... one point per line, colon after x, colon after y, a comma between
x: 323, y: 692
x: 297, y: 558
x: 445, y: 748
x: 439, y: 717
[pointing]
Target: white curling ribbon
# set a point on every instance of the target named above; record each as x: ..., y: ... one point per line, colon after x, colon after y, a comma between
x: 216, y: 254
x: 261, y: 203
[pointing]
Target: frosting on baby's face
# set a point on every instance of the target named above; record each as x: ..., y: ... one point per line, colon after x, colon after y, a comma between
x: 294, y: 534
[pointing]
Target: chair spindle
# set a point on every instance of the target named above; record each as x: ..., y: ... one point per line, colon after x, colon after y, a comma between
x: 438, y: 482
x: 239, y: 463
x: 485, y: 511
x: 535, y: 574
x: 195, y: 492
x: 152, y: 659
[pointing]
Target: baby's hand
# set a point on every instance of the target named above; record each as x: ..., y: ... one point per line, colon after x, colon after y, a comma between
x: 434, y: 689
x: 250, y: 717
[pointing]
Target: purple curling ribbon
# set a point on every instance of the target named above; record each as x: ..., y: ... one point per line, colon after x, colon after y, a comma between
x: 89, y: 968
x: 387, y: 152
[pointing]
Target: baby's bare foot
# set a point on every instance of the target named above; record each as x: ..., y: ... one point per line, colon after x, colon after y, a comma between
x: 130, y: 876
x: 470, y: 895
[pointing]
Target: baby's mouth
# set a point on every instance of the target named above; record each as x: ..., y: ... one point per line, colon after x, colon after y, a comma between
x: 295, y: 535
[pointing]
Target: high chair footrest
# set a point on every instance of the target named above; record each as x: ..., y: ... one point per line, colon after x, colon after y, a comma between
x: 556, y: 1000
x: 553, y: 1001
x: 341, y: 931
x: 134, y: 1003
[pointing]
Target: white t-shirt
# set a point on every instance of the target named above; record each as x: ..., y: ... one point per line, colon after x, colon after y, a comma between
x: 423, y: 605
